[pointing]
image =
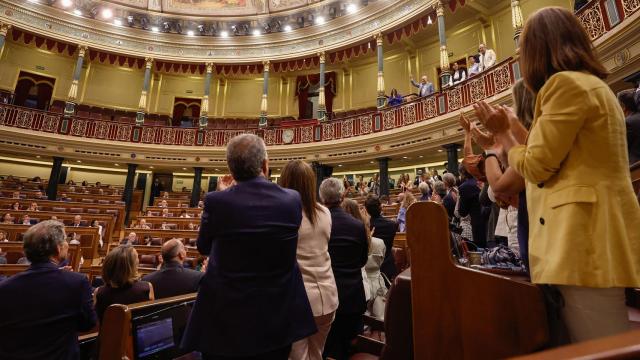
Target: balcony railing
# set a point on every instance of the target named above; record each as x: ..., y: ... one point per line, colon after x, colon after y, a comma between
x: 600, y: 16
x: 490, y: 83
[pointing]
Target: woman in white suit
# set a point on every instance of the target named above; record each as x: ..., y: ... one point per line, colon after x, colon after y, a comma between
x: 313, y: 259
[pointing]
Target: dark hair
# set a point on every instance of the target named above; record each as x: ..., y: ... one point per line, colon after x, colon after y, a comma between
x: 627, y: 100
x: 372, y: 204
x: 120, y: 266
x: 464, y: 174
x: 299, y: 176
x: 41, y: 240
x: 394, y: 91
x: 553, y: 40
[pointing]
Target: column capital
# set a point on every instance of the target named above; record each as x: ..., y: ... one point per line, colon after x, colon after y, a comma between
x: 440, y: 8
x: 148, y: 62
x: 379, y: 39
x: 321, y: 55
x: 266, y: 64
x: 4, y: 29
x: 82, y: 50
x: 209, y: 66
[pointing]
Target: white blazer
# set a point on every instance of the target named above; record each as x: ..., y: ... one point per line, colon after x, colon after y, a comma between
x: 315, y: 263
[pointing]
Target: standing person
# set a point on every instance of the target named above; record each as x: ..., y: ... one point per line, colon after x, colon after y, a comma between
x: 469, y: 205
x: 409, y: 199
x: 251, y: 304
x: 348, y: 248
x: 487, y: 57
x: 96, y: 223
x: 313, y: 259
x: 459, y: 75
x: 632, y: 114
x: 374, y: 185
x: 425, y: 87
x: 36, y: 329
x: 583, y: 214
x: 386, y: 230
x: 474, y: 65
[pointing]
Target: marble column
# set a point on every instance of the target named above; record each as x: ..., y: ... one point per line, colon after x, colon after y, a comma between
x: 127, y: 195
x: 381, y: 99
x: 195, y: 189
x: 452, y: 158
x: 517, y: 21
x: 70, y: 106
x: 322, y: 107
x: 445, y: 74
x: 54, y: 176
x: 4, y: 30
x: 204, y: 109
x: 383, y: 168
x: 142, y: 104
x: 265, y: 91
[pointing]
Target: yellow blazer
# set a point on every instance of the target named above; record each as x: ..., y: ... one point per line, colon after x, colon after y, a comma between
x: 584, y: 219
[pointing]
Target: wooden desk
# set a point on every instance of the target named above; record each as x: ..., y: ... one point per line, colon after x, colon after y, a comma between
x: 174, y: 210
x: 182, y: 223
x: 163, y: 234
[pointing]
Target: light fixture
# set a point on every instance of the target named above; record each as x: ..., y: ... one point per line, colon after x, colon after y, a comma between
x: 38, y: 156
x: 150, y: 167
x: 256, y: 32
x: 155, y: 29
x: 439, y: 150
x: 351, y: 8
x: 201, y: 29
x: 184, y: 168
x: 116, y: 164
x: 189, y: 32
x: 217, y: 169
x: 77, y: 12
x: 130, y: 20
x: 429, y: 21
x: 117, y: 22
x: 459, y: 149
x: 106, y: 13
x: 370, y: 162
x: 319, y: 20
x: 79, y: 161
x: 404, y: 157
x: 224, y: 34
x: 420, y: 156
x: 287, y: 28
x: 66, y: 3
x: 339, y: 165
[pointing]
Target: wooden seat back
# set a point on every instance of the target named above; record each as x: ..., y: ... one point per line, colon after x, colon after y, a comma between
x: 108, y: 221
x: 462, y: 313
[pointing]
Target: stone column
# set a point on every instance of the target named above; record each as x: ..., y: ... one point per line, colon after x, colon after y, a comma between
x: 383, y: 167
x: 127, y: 195
x: 381, y: 99
x: 195, y: 189
x: 204, y: 109
x: 517, y: 21
x: 265, y: 91
x: 142, y: 105
x: 452, y: 158
x: 52, y: 186
x: 4, y: 29
x: 70, y: 105
x: 445, y: 74
x: 322, y: 107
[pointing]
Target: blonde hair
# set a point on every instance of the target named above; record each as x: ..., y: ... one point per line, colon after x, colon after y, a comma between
x: 120, y: 266
x: 352, y: 208
x: 408, y: 200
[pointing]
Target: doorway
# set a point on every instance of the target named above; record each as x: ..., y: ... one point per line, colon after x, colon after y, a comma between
x: 33, y: 90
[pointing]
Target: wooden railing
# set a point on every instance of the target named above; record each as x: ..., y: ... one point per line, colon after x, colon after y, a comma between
x: 600, y: 16
x: 490, y: 83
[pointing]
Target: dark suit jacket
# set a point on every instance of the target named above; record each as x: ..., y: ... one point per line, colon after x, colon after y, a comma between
x: 633, y: 137
x: 470, y: 205
x: 349, y: 251
x: 386, y: 230
x: 44, y: 309
x: 252, y: 299
x: 173, y: 280
x: 450, y: 204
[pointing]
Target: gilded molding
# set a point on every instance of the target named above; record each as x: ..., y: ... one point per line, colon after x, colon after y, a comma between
x: 321, y: 55
x: 148, y: 62
x: 4, y: 29
x: 266, y: 64
x: 379, y: 39
x: 209, y: 67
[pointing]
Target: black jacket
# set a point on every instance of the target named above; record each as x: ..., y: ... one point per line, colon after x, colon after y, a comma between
x: 386, y: 229
x: 633, y: 137
x: 470, y: 205
x: 173, y: 280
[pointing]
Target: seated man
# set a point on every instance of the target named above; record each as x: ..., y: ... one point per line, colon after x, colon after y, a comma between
x: 26, y: 220
x: 45, y: 306
x: 143, y: 224
x: 173, y: 279
x: 131, y: 239
x: 77, y: 221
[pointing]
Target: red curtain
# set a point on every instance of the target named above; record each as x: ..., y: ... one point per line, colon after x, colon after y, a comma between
x: 303, y: 82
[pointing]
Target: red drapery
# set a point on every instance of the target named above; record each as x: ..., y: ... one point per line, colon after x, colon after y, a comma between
x: 303, y: 82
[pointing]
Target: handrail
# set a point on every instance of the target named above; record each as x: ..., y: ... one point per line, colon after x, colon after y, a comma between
x: 490, y: 83
x: 600, y: 16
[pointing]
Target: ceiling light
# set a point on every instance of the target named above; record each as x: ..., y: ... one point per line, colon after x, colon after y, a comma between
x: 78, y: 161
x: 404, y: 157
x: 116, y: 164
x: 459, y: 149
x: 319, y: 20
x: 287, y: 28
x: 190, y: 33
x: 150, y: 167
x: 224, y: 33
x: 106, y: 13
x: 439, y: 150
x: 184, y: 168
x: 339, y: 165
x: 420, y: 156
x: 117, y: 22
x: 155, y: 29
x: 38, y: 156
x: 66, y: 3
x: 256, y: 32
x: 77, y: 12
x: 351, y: 8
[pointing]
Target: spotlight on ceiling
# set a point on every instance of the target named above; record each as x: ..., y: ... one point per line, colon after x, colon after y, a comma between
x: 106, y: 13
x: 319, y: 20
x: 190, y: 33
x: 351, y: 8
x: 117, y: 22
x: 256, y: 32
x: 287, y: 28
x: 66, y: 3
x: 224, y: 34
x: 267, y: 28
x: 77, y: 12
x: 155, y: 29
x: 166, y: 27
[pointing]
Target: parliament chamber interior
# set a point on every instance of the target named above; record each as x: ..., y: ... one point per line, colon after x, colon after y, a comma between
x: 320, y: 179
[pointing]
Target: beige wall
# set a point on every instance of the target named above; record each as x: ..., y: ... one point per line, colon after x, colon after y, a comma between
x: 28, y: 170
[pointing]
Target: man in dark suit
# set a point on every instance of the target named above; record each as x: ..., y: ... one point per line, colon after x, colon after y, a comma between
x: 45, y: 306
x: 173, y: 279
x: 470, y: 205
x: 252, y: 302
x: 385, y: 229
x: 631, y: 108
x: 348, y: 249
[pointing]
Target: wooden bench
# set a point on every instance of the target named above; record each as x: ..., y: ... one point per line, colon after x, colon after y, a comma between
x: 194, y: 212
x: 181, y: 223
x: 89, y: 238
x: 462, y: 313
x: 163, y: 234
x: 177, y: 203
x: 13, y: 250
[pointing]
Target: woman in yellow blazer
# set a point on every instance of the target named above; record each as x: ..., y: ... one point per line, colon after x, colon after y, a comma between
x: 584, y: 219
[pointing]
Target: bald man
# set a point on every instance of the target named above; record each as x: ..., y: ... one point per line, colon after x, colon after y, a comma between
x: 173, y: 279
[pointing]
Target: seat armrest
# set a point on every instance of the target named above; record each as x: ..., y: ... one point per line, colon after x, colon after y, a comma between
x: 374, y: 323
x: 367, y: 345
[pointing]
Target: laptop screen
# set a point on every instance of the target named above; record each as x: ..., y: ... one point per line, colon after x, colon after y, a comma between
x: 154, y: 336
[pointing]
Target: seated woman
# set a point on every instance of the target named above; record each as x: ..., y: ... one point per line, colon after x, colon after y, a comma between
x: 122, y: 284
x: 394, y: 99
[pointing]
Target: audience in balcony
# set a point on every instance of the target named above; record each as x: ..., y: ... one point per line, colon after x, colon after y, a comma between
x: 348, y: 248
x: 474, y: 65
x: 122, y: 284
x: 487, y: 57
x: 459, y: 75
x: 425, y: 87
x: 32, y: 328
x: 394, y: 99
x: 313, y: 258
x: 631, y: 110
x: 173, y: 278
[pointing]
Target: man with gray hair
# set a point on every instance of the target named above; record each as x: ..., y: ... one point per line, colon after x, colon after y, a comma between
x: 252, y: 302
x: 173, y: 279
x: 49, y: 306
x: 348, y: 249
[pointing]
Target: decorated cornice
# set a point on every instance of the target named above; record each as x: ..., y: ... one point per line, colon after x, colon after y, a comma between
x: 378, y: 17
